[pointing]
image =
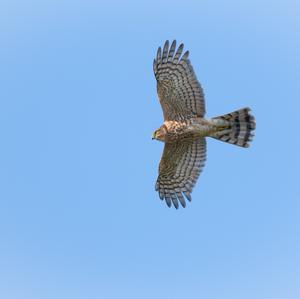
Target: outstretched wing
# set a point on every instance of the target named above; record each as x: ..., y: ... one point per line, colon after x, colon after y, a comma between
x: 179, y: 169
x: 180, y: 94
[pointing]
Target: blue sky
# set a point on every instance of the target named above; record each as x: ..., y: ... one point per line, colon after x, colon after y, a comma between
x: 79, y: 217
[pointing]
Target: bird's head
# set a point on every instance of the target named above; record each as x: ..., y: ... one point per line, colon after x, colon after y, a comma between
x: 160, y: 134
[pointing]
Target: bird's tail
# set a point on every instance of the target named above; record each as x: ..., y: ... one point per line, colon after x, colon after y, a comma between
x: 235, y: 127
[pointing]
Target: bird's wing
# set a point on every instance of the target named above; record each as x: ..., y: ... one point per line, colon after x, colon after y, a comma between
x: 179, y: 169
x: 180, y: 94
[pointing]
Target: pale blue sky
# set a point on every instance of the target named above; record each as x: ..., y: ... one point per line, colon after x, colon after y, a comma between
x: 79, y: 217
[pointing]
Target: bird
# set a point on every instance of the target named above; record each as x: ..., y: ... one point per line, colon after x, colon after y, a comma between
x: 185, y: 129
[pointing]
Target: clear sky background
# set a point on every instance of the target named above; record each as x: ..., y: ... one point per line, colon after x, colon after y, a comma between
x: 79, y: 217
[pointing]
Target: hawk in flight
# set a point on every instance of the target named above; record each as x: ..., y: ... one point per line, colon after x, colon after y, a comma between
x: 185, y: 128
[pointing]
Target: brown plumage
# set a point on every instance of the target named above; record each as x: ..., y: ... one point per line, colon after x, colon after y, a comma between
x: 184, y: 128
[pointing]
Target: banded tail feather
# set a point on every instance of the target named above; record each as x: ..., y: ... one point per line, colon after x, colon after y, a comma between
x: 235, y: 127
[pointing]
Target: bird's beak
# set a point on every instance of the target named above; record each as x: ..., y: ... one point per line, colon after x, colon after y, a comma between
x: 153, y: 136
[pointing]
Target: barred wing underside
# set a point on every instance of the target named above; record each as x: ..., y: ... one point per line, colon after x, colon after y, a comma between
x: 179, y: 169
x: 180, y: 94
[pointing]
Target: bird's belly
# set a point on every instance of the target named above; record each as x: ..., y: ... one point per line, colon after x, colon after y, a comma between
x: 191, y: 130
x: 199, y: 130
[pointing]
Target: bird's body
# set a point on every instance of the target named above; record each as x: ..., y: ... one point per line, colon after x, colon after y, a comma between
x: 174, y: 130
x: 185, y: 128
